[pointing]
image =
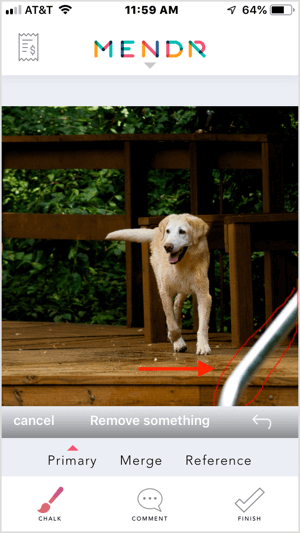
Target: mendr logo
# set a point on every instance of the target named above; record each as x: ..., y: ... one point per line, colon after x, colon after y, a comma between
x: 173, y: 48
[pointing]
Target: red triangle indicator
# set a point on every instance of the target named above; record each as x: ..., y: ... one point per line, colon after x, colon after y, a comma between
x: 72, y: 449
x: 203, y: 368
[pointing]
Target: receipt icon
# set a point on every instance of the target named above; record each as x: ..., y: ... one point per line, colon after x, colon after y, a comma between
x: 28, y: 46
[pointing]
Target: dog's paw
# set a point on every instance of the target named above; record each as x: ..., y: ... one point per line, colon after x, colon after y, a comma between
x: 203, y: 348
x: 179, y: 346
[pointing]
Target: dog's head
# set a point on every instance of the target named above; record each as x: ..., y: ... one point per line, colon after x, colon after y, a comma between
x: 179, y: 232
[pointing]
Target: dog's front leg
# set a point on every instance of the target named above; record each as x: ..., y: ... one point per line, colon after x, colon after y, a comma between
x: 204, y: 306
x: 174, y: 331
x: 178, y: 304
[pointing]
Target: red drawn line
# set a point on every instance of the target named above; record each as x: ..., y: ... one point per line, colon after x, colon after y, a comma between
x: 253, y: 334
x: 290, y: 344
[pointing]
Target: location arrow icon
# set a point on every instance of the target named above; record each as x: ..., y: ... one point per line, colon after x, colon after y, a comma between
x: 231, y: 9
x: 202, y: 368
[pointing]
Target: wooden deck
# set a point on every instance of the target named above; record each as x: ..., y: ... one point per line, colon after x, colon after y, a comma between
x: 78, y: 364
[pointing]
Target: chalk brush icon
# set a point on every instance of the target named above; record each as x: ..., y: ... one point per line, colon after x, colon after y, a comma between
x: 46, y: 506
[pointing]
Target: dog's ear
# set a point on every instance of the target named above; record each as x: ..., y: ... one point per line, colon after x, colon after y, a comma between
x: 200, y: 228
x: 163, y: 224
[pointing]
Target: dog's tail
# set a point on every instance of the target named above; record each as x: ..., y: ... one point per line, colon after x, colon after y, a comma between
x: 133, y: 235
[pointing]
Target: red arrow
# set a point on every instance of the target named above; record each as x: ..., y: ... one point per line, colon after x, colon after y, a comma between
x: 202, y: 368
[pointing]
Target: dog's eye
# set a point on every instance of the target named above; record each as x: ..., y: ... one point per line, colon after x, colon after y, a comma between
x: 167, y: 231
x: 182, y: 231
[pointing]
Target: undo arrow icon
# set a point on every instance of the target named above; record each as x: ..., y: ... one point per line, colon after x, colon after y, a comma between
x: 255, y: 420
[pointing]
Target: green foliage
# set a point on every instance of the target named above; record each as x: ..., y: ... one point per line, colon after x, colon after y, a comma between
x: 92, y: 192
x: 85, y: 281
x: 69, y: 281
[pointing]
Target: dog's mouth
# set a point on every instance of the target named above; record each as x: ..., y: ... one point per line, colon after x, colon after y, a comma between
x: 175, y: 257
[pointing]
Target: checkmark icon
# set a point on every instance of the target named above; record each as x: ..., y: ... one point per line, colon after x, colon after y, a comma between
x: 244, y: 506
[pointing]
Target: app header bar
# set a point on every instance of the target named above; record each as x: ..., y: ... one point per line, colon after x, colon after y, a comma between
x: 151, y: 38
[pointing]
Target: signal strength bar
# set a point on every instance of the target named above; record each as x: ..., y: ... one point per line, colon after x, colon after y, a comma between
x: 14, y: 11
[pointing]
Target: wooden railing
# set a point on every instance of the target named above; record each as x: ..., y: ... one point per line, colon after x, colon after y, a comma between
x: 136, y: 154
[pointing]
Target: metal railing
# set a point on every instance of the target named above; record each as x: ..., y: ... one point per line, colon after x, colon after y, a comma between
x: 276, y: 332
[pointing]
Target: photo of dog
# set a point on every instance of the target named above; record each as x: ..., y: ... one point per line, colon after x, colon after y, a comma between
x: 137, y: 256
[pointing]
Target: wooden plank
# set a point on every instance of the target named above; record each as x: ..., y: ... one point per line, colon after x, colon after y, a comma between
x: 269, y: 396
x: 240, y: 283
x: 154, y: 316
x: 65, y: 155
x: 44, y: 156
x: 152, y: 395
x: 136, y: 203
x: 120, y: 366
x: 107, y: 151
x: 222, y: 137
x: 53, y: 343
x: 239, y: 160
x: 32, y: 335
x: 261, y: 218
x: 44, y: 226
x: 96, y: 227
x: 60, y: 329
x: 169, y: 155
x: 86, y: 395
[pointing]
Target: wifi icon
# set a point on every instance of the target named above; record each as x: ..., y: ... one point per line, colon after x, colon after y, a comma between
x: 65, y: 9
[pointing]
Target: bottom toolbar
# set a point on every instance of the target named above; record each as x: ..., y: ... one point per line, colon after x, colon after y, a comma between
x: 150, y: 504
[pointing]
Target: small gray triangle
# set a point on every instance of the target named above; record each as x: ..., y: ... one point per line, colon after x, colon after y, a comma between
x: 149, y: 65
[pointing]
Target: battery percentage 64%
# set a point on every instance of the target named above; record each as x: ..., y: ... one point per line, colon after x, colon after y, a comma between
x: 260, y: 10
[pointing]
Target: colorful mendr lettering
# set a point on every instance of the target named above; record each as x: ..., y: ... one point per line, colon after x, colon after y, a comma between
x: 123, y: 48
x: 168, y: 48
x: 193, y: 45
x: 109, y: 45
x: 154, y: 52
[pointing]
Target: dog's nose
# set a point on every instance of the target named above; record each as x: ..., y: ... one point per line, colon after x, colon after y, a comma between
x: 169, y: 247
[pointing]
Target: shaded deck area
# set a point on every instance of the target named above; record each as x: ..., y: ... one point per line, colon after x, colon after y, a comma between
x: 79, y: 364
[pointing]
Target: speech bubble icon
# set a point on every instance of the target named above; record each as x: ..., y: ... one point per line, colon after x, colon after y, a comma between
x: 150, y: 499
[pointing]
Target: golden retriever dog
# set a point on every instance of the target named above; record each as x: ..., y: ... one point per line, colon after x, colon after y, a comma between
x: 180, y: 260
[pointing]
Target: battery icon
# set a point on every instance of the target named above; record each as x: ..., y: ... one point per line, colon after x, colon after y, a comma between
x: 283, y: 9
